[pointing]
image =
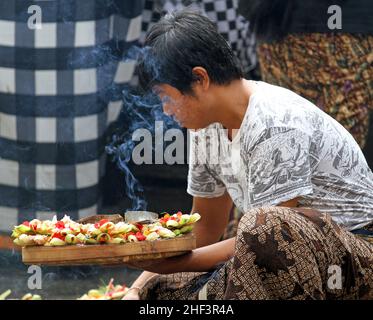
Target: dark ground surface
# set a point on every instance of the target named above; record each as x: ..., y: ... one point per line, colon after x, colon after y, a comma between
x: 57, y: 282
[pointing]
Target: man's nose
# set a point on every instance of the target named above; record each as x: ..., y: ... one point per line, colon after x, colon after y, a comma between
x: 167, y: 109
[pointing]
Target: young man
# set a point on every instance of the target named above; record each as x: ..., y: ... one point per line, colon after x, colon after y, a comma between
x: 290, y: 155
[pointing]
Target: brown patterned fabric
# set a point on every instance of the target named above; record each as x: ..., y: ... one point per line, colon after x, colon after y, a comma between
x: 280, y: 253
x: 334, y: 71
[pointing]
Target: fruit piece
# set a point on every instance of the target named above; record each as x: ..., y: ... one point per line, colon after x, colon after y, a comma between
x: 21, y: 229
x: 15, y: 234
x: 26, y: 240
x: 94, y: 293
x: 65, y: 232
x: 91, y: 241
x: 121, y: 227
x: 103, y: 238
x: 40, y: 239
x: 184, y: 219
x: 107, y: 227
x: 186, y: 229
x: 5, y: 294
x: 116, y: 241
x: 27, y: 296
x: 152, y: 236
x: 132, y: 238
x: 194, y: 218
x: 71, y: 239
x: 134, y: 228
x: 172, y: 224
x: 81, y: 238
x: 166, y: 233
x: 55, y: 242
x: 35, y: 224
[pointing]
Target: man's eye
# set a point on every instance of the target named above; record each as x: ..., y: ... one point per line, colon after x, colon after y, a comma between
x: 156, y: 91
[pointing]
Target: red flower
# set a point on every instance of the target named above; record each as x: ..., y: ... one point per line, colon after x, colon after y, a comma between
x: 165, y: 218
x: 140, y: 236
x: 60, y: 225
x: 129, y: 234
x: 101, y: 223
x: 58, y: 236
x: 26, y: 223
x: 139, y: 226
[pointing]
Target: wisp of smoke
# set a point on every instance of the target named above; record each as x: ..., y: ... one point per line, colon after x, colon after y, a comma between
x: 140, y: 111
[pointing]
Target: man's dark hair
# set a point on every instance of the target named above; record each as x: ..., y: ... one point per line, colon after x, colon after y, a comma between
x: 178, y: 43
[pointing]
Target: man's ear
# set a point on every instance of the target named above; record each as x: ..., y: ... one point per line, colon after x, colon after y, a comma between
x: 202, y: 77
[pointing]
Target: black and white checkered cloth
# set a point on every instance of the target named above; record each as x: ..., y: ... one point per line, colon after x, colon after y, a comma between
x: 230, y: 24
x: 59, y: 92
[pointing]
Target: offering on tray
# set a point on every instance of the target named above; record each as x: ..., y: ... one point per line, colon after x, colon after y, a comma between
x: 68, y: 232
x: 27, y: 296
x: 5, y: 294
x: 30, y: 296
x: 107, y: 292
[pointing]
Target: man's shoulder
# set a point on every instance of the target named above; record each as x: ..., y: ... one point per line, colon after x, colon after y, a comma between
x: 278, y: 107
x: 277, y: 111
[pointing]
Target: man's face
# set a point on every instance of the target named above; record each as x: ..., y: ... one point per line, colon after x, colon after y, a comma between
x: 187, y: 110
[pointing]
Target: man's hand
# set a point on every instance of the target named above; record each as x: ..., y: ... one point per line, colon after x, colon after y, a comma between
x: 199, y: 260
x: 162, y: 266
x: 154, y: 265
x: 132, y: 294
x: 215, y: 216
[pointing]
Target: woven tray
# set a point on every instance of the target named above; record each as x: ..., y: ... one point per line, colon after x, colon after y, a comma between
x: 107, y: 254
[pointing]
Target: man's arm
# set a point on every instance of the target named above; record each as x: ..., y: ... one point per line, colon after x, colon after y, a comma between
x: 199, y: 260
x: 215, y: 214
x: 214, y: 218
x: 289, y: 204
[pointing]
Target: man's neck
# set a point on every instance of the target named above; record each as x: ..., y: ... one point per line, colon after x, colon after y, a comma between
x: 233, y: 101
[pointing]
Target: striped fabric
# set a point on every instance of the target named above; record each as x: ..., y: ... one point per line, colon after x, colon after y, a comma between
x: 60, y: 89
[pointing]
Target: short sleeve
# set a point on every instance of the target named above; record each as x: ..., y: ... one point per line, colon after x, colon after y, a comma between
x: 279, y: 167
x: 201, y: 180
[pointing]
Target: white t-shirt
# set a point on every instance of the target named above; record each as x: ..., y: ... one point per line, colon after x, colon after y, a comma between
x: 286, y: 148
